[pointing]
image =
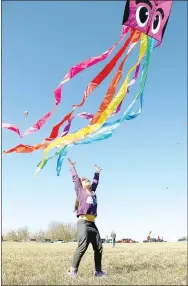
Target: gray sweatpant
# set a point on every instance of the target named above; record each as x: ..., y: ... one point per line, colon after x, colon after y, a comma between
x: 88, y: 233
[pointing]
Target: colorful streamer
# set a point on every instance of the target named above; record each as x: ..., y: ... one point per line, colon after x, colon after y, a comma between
x: 95, y: 137
x: 90, y: 116
x: 106, y: 130
x: 76, y: 69
x: 94, y: 84
x: 109, y: 126
x: 22, y: 148
x: 111, y: 91
x: 134, y: 38
x: 82, y: 133
x: 61, y: 157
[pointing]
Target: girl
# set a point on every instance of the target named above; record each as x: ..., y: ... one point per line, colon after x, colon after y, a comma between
x: 86, y: 208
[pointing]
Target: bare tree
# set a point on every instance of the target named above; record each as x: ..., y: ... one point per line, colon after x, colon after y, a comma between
x: 61, y: 231
x: 184, y: 238
x: 11, y: 235
x: 40, y: 235
x: 56, y: 231
x: 72, y: 230
x: 23, y: 233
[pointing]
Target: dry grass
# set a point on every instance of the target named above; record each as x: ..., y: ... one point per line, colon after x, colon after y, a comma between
x: 127, y: 264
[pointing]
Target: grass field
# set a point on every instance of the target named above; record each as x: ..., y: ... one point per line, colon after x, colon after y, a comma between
x: 126, y: 264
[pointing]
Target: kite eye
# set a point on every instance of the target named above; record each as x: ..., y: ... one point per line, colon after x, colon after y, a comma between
x: 142, y: 16
x: 156, y: 24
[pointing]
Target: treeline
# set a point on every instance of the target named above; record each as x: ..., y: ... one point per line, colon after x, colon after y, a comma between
x: 184, y: 238
x: 56, y: 231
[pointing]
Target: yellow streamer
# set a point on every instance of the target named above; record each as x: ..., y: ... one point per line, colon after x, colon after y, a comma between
x: 82, y: 133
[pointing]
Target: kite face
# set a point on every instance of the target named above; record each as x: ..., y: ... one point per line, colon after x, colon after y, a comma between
x: 147, y: 16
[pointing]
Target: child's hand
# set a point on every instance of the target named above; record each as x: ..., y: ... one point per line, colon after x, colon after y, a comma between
x: 98, y: 169
x: 71, y: 163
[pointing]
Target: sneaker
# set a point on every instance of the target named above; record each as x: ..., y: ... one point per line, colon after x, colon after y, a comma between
x: 71, y: 273
x: 99, y: 274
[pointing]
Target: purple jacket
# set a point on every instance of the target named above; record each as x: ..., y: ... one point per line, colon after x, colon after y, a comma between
x: 87, y: 202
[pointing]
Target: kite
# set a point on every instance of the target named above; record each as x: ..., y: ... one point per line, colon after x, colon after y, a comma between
x: 149, y: 237
x: 26, y: 113
x: 144, y: 22
x: 149, y: 18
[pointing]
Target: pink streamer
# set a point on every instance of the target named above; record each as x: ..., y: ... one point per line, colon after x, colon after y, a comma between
x: 58, y: 91
x: 12, y: 128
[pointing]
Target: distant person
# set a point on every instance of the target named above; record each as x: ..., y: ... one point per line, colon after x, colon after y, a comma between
x: 113, y: 236
x: 86, y: 208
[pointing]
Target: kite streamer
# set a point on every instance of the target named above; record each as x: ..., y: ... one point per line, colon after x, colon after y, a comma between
x: 14, y: 128
x: 82, y: 133
x: 95, y: 82
x: 134, y: 38
x: 109, y: 126
x: 11, y: 127
x: 106, y: 130
x: 96, y: 136
x: 76, y: 69
x: 22, y: 148
x: 61, y: 157
x: 90, y: 116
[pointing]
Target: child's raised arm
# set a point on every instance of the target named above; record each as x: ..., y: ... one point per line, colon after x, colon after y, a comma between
x: 96, y: 178
x: 75, y: 177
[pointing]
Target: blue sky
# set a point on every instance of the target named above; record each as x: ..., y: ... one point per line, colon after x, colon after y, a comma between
x: 40, y: 42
